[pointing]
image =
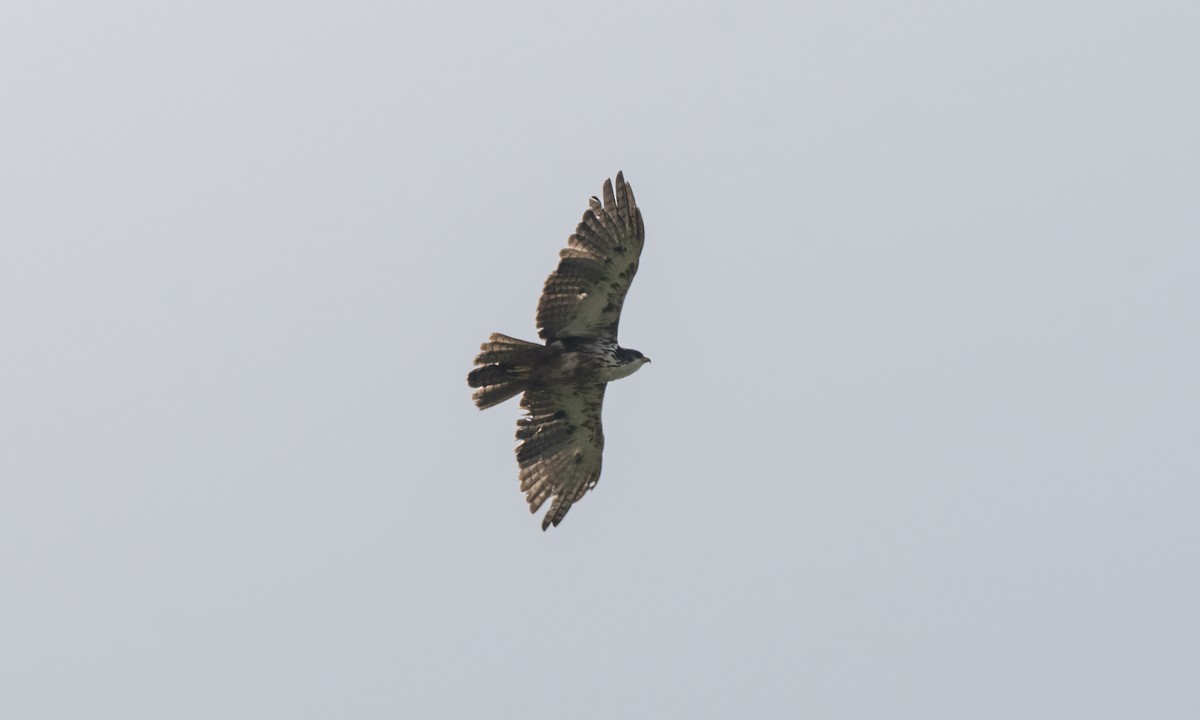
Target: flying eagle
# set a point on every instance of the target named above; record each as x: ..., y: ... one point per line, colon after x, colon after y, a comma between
x: 560, y: 440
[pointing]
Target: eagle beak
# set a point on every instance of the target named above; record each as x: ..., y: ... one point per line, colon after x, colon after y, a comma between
x: 647, y: 361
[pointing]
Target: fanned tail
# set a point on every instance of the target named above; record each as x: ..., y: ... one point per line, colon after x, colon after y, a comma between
x: 506, y: 363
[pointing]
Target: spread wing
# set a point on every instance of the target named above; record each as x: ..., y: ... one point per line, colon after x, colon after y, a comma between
x: 561, y: 443
x: 583, y: 297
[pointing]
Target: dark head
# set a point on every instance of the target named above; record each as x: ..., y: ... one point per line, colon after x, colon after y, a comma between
x: 627, y: 356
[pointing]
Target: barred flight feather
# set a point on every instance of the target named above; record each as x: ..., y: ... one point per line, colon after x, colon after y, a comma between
x: 584, y: 300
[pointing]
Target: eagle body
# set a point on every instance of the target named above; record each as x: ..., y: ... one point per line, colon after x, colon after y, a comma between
x: 562, y: 382
x: 583, y: 361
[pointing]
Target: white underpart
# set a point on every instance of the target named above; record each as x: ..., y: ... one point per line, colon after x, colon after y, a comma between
x: 622, y: 371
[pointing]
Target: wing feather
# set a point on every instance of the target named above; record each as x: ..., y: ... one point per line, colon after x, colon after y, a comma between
x: 561, y: 446
x: 583, y: 297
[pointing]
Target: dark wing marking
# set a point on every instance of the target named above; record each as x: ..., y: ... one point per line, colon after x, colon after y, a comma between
x: 561, y: 444
x: 583, y: 297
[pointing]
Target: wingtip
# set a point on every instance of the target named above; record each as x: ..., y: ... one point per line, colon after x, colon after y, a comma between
x: 554, y: 515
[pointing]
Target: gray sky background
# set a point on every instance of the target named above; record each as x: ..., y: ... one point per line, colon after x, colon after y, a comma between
x: 921, y: 438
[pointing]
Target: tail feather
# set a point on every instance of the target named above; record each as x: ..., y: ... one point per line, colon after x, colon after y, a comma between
x: 490, y: 375
x: 506, y: 363
x: 504, y: 349
x: 486, y: 397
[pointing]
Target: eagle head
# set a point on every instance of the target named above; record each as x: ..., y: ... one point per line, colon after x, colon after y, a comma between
x: 627, y: 356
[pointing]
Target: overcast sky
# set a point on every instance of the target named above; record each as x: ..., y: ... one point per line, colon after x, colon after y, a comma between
x: 921, y: 438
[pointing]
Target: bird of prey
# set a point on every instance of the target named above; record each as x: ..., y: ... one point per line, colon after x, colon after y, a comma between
x: 560, y: 440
